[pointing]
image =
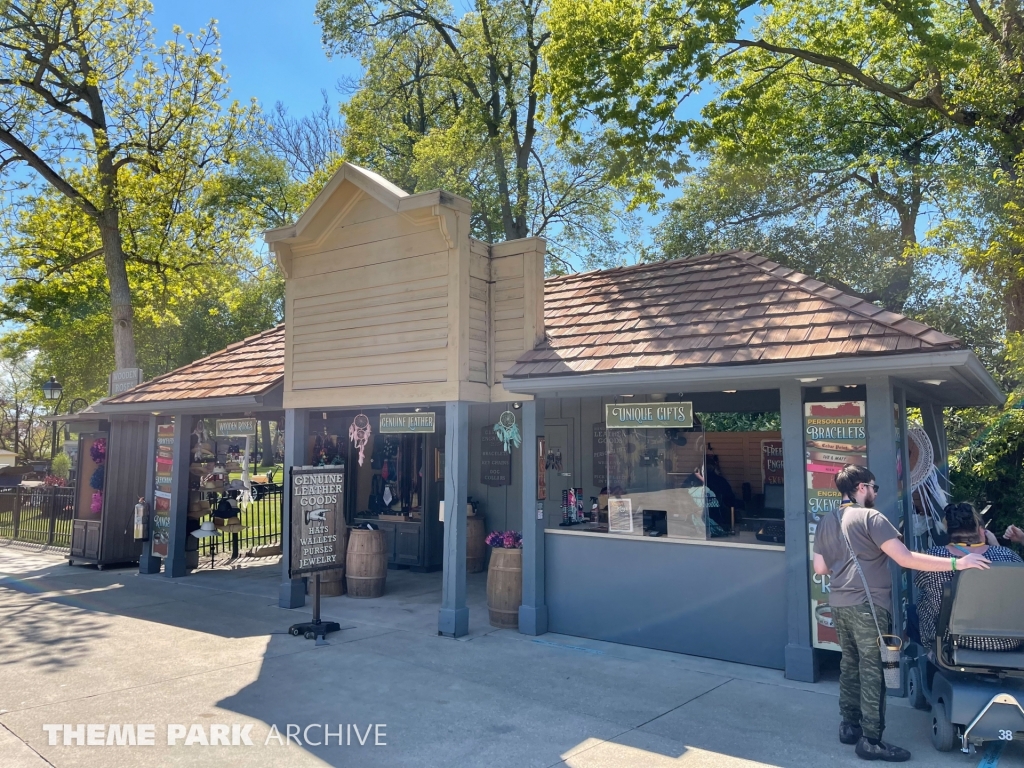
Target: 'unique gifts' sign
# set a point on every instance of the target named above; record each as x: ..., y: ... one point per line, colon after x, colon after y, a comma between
x: 771, y: 462
x: 403, y: 423
x: 317, y: 522
x: 495, y: 462
x: 648, y: 415
x: 235, y: 427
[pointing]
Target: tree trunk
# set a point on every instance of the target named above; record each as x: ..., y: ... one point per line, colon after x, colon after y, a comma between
x: 266, y: 446
x: 1015, y: 303
x: 897, y: 292
x: 121, y: 311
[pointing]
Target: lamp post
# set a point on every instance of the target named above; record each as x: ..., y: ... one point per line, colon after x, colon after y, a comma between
x: 53, y: 390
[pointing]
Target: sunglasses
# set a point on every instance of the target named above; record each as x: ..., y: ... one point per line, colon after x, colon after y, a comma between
x: 872, y: 486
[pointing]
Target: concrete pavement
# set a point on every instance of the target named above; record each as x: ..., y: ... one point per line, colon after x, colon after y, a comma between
x: 81, y: 646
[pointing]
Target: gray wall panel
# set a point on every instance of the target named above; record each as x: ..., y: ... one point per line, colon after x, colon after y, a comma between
x: 720, y: 602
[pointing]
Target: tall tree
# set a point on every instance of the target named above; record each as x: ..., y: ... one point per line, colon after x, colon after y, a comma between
x: 455, y: 101
x: 630, y: 63
x: 87, y: 100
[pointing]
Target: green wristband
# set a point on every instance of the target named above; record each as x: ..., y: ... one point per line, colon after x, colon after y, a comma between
x: 952, y: 561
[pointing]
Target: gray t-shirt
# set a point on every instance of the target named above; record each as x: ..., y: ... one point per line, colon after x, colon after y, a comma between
x: 867, y: 529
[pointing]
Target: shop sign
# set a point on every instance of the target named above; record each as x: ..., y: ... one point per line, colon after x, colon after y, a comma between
x: 835, y: 434
x: 649, y: 415
x: 160, y: 527
x: 771, y: 463
x: 235, y: 427
x: 404, y: 423
x: 123, y: 379
x: 495, y: 462
x: 317, y: 524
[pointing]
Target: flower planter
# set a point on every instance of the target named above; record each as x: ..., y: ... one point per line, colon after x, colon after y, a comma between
x: 505, y: 587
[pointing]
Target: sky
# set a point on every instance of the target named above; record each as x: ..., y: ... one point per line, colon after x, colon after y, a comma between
x: 271, y: 49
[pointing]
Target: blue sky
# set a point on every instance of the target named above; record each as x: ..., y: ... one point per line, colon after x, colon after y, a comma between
x: 272, y: 50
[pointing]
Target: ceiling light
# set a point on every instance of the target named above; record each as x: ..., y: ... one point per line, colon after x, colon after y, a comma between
x: 809, y: 379
x: 933, y: 382
x: 625, y: 395
x: 831, y: 389
x: 516, y: 406
x: 729, y: 391
x: 849, y: 386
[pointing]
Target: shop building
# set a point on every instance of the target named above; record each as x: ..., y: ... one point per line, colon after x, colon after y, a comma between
x: 417, y: 348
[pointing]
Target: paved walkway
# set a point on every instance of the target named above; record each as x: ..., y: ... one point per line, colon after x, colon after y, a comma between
x: 81, y: 646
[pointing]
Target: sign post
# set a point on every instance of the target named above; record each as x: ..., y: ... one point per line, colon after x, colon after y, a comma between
x: 317, y: 524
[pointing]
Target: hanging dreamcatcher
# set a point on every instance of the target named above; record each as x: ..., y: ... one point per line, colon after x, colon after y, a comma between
x: 929, y: 496
x: 204, y: 450
x: 359, y: 434
x: 508, y: 431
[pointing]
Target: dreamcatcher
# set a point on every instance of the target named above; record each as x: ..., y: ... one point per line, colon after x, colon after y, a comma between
x: 203, y: 450
x: 359, y: 434
x: 924, y: 484
x: 508, y: 431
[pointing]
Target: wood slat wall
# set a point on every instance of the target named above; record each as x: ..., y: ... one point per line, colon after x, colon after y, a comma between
x: 739, y: 454
x: 125, y: 483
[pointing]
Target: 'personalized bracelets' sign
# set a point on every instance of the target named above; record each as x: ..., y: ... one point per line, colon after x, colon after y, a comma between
x: 648, y: 415
x: 317, y: 523
x: 404, y: 423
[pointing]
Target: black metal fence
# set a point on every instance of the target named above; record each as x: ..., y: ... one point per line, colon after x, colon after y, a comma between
x: 261, y: 524
x: 41, y: 515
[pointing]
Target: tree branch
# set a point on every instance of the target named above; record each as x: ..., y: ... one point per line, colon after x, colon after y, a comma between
x: 41, y: 167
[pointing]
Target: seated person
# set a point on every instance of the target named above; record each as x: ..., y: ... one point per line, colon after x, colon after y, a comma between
x: 967, y: 535
x: 717, y: 483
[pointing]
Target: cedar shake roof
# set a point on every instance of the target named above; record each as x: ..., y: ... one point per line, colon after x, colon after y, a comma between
x: 719, y: 309
x: 248, y: 367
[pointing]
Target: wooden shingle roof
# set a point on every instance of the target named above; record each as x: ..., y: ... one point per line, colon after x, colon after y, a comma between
x: 719, y: 309
x: 252, y: 366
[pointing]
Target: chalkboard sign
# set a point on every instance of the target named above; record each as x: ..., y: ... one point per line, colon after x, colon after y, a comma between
x: 317, y: 519
x: 495, y: 463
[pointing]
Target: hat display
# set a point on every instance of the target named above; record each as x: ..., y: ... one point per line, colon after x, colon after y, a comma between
x: 206, y: 530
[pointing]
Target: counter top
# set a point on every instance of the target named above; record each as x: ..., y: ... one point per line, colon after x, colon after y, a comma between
x: 668, y: 540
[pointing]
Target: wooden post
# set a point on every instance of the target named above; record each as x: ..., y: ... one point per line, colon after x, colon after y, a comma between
x: 453, y: 618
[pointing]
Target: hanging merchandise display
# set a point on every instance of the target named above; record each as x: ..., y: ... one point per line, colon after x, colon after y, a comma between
x: 929, y: 497
x: 204, y: 449
x: 507, y: 431
x: 359, y: 434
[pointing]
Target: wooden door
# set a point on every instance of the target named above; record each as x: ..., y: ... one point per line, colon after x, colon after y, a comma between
x: 407, y: 543
x: 78, y: 538
x: 92, y: 540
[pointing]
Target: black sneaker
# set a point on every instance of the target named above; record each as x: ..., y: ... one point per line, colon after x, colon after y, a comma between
x: 881, y: 751
x: 849, y: 733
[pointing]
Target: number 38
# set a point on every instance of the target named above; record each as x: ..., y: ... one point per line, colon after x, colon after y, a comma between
x: 1005, y: 735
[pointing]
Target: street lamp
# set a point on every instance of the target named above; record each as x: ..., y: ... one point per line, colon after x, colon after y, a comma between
x: 52, y: 390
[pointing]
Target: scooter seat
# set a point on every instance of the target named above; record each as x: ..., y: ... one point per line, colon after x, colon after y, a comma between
x: 994, y: 659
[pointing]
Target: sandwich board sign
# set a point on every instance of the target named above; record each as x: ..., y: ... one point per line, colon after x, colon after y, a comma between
x: 317, y: 524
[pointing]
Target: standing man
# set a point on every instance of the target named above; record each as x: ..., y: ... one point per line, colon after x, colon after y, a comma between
x: 875, y: 541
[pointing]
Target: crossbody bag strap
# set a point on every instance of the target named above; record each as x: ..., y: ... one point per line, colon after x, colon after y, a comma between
x: 863, y: 578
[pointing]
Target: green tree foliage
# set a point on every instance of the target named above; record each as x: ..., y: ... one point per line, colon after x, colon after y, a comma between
x: 454, y: 101
x: 630, y: 63
x: 120, y: 129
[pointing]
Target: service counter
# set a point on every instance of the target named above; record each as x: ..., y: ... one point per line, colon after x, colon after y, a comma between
x: 720, y: 599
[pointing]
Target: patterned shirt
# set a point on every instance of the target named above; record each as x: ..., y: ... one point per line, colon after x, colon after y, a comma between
x: 930, y: 602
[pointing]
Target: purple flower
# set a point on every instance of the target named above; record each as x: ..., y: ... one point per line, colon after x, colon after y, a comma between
x: 505, y: 540
x: 97, y: 503
x: 98, y: 450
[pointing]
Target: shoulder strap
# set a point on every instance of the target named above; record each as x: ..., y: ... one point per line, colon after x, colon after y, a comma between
x: 863, y: 578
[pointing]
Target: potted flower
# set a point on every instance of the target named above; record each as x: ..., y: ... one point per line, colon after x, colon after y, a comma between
x: 505, y: 578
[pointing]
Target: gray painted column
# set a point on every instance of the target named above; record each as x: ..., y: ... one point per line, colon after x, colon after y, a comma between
x: 147, y: 562
x: 533, y: 613
x: 174, y: 563
x: 934, y: 427
x: 292, y: 592
x: 801, y: 661
x: 453, y: 618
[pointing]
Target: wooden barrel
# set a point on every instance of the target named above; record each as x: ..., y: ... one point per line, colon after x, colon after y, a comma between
x: 476, y: 550
x: 332, y: 582
x: 505, y: 587
x: 366, y: 564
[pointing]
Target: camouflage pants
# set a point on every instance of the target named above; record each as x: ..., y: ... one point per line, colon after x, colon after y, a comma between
x: 861, y: 684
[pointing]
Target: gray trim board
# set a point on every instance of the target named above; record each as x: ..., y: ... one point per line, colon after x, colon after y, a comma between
x: 174, y: 563
x: 533, y: 613
x: 147, y: 562
x: 453, y: 617
x: 292, y: 592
